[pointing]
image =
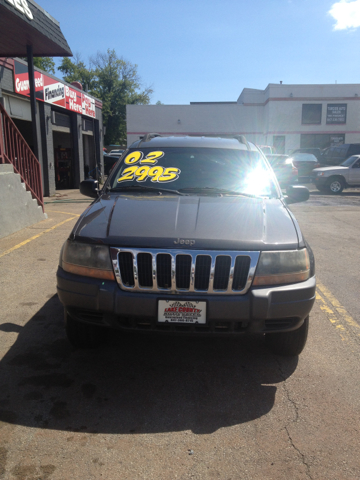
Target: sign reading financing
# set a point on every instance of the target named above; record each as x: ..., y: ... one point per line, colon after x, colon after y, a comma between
x: 336, y: 113
x: 144, y: 168
x: 22, y: 6
x: 49, y: 90
x: 54, y: 93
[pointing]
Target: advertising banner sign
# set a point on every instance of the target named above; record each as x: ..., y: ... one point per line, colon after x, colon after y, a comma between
x: 49, y: 90
x: 336, y: 113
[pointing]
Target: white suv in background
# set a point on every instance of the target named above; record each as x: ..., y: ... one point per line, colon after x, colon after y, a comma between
x: 335, y: 179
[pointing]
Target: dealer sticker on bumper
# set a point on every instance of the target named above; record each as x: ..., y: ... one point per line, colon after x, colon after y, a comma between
x: 175, y: 311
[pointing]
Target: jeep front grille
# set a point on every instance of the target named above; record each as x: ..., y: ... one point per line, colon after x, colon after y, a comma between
x: 184, y: 271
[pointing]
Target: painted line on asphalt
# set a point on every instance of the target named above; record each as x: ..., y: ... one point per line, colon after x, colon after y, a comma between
x: 341, y: 320
x: 67, y: 213
x: 331, y: 315
x: 337, y: 306
x: 19, y: 245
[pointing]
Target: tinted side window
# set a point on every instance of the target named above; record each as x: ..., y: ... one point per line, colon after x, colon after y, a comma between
x: 354, y: 150
x: 329, y: 152
x: 339, y: 152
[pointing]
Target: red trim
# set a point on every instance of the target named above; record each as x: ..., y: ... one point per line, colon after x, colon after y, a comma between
x: 312, y: 133
x: 299, y: 99
x: 15, y: 150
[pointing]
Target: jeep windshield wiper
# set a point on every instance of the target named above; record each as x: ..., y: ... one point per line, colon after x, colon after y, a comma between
x: 217, y: 191
x: 145, y: 188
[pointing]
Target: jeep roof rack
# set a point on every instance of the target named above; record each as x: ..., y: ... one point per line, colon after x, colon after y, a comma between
x: 148, y: 136
x: 242, y: 139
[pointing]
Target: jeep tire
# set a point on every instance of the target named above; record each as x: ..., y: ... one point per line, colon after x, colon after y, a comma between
x: 83, y: 335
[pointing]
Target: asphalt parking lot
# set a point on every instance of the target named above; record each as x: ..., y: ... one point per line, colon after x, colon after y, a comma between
x: 162, y: 408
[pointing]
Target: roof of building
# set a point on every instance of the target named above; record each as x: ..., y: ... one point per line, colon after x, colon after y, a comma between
x: 37, y: 28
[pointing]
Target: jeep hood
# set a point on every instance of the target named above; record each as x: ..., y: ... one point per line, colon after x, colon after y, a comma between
x: 209, y: 222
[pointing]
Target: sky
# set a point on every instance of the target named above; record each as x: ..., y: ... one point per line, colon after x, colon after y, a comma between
x: 209, y: 50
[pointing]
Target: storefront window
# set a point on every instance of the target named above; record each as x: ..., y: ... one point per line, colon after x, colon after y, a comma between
x: 311, y: 114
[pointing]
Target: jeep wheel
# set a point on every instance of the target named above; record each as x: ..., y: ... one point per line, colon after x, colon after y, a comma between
x: 288, y: 343
x: 83, y: 335
x: 335, y: 185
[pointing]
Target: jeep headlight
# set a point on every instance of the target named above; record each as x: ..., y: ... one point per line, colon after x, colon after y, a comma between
x: 277, y: 268
x: 87, y: 260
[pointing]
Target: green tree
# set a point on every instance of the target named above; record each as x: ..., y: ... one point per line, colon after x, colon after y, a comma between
x: 118, y: 84
x: 76, y: 71
x: 44, y: 63
x: 114, y: 81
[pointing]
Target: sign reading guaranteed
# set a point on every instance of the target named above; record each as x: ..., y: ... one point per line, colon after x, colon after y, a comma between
x: 49, y: 90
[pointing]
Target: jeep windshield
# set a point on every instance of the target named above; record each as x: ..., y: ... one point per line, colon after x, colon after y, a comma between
x: 195, y: 171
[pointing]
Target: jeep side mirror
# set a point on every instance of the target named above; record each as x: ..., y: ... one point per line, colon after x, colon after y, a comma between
x: 89, y: 187
x: 296, y: 194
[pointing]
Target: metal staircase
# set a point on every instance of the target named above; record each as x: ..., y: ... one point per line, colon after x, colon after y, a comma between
x: 15, y: 150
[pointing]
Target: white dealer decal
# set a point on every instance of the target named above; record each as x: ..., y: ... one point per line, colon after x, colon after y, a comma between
x: 22, y: 6
x: 23, y: 85
x: 54, y: 92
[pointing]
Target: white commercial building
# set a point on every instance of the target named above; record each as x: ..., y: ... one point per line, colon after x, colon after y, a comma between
x: 284, y: 116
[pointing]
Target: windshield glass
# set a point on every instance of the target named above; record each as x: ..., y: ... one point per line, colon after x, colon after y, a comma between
x: 349, y: 161
x: 196, y: 170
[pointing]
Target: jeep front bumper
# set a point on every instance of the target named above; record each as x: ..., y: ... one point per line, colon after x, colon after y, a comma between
x: 260, y: 310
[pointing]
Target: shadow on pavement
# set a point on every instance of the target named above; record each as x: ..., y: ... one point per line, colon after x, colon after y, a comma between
x: 134, y: 383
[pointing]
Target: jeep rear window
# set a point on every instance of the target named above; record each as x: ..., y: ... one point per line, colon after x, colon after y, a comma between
x: 240, y: 171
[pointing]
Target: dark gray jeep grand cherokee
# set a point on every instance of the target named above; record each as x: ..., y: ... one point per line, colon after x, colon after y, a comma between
x: 189, y: 235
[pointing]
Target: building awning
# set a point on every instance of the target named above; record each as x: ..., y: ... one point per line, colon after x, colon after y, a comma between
x: 25, y: 23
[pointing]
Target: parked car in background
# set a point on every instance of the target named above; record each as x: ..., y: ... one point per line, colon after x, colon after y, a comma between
x: 117, y: 152
x: 109, y: 162
x: 305, y: 163
x: 337, y: 155
x: 314, y: 151
x: 267, y: 149
x: 335, y: 179
x: 285, y: 171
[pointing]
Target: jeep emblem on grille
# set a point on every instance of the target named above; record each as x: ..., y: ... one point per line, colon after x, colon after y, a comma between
x: 183, y: 241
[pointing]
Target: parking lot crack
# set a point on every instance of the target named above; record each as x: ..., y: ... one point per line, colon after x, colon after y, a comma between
x: 287, y: 391
x: 296, y: 418
x: 308, y: 474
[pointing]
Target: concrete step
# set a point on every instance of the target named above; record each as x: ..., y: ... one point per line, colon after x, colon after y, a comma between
x: 17, y: 207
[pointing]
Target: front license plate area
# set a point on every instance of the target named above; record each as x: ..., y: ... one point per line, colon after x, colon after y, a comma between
x: 182, y: 311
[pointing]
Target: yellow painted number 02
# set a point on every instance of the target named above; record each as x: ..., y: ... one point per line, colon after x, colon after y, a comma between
x: 140, y: 168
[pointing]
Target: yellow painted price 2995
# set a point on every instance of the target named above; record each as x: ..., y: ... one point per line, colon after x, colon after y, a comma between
x: 140, y: 168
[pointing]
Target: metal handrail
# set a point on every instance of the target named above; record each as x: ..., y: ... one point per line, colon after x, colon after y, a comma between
x: 15, y: 150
